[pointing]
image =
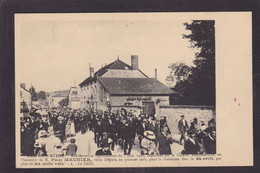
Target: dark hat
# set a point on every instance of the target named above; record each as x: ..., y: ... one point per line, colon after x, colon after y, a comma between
x: 182, y: 115
x: 72, y: 140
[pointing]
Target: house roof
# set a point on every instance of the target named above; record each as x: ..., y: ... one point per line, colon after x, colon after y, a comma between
x: 135, y: 86
x: 117, y: 64
x: 26, y: 90
x: 64, y: 93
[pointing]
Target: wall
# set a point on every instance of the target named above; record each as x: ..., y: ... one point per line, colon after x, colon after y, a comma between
x: 173, y: 113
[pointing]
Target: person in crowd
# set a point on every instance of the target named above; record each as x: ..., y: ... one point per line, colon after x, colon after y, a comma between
x: 148, y: 145
x: 68, y: 128
x: 119, y: 127
x: 191, y: 145
x: 27, y: 139
x: 72, y: 148
x: 165, y: 141
x: 98, y: 130
x: 59, y: 129
x: 183, y: 127
x: 141, y: 129
x: 40, y: 144
x: 104, y: 148
x: 83, y: 127
x: 211, y: 126
x: 193, y: 123
x: 210, y: 143
x: 126, y: 137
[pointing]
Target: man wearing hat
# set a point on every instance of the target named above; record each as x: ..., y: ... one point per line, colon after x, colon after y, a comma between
x: 165, y: 141
x: 183, y: 127
x: 104, y: 148
x: 98, y: 129
x: 126, y: 137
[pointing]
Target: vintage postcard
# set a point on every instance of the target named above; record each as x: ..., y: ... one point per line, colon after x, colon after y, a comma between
x: 133, y: 89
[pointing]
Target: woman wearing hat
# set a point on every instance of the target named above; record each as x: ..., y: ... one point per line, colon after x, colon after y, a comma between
x: 148, y: 146
x: 59, y: 128
x: 40, y: 144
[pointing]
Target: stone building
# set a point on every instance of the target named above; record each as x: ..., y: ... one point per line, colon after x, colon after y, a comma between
x: 123, y: 86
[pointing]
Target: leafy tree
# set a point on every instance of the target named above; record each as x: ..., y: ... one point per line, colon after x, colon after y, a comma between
x: 64, y: 102
x: 197, y: 84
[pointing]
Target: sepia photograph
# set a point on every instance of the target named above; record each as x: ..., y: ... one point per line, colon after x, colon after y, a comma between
x: 122, y: 85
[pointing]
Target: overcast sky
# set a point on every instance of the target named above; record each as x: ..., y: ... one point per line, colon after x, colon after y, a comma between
x: 54, y: 51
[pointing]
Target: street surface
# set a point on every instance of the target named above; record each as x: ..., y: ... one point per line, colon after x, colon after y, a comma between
x: 87, y: 146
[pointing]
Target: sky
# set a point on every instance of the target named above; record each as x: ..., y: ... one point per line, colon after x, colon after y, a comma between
x: 53, y: 52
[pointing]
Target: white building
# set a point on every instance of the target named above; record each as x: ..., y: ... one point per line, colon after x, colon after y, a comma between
x: 124, y: 86
x: 25, y: 98
x: 74, y: 98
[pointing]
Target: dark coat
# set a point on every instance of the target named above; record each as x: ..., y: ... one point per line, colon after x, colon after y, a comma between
x: 191, y: 148
x: 164, y: 144
x: 71, y: 150
x: 140, y: 129
x: 101, y: 152
x: 125, y: 133
x: 183, y: 127
x: 209, y: 145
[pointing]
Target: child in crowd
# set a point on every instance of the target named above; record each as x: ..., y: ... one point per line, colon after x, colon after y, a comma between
x: 72, y: 148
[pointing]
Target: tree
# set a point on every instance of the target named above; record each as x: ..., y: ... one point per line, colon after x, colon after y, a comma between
x: 64, y: 102
x: 197, y: 84
x: 34, y: 94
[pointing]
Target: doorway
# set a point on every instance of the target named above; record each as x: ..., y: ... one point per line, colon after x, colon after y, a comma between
x: 148, y: 108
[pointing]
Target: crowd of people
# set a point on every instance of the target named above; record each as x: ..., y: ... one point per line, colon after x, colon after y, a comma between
x: 112, y: 128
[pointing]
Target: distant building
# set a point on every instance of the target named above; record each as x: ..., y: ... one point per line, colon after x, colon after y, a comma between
x: 25, y: 99
x: 74, y: 98
x: 53, y: 98
x: 123, y: 86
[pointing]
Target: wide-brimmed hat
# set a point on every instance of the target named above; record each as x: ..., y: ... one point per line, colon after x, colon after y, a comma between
x: 60, y: 118
x: 42, y: 133
x: 149, y: 134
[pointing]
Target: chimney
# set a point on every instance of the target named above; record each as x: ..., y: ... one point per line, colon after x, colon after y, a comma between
x: 22, y: 85
x: 134, y: 62
x: 90, y: 71
x: 155, y: 71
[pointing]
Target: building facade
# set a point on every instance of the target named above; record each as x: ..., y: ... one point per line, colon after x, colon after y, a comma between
x: 25, y: 99
x: 123, y: 86
x: 53, y: 98
x: 74, y: 98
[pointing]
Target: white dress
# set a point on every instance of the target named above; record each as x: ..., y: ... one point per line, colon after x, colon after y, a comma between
x: 72, y: 128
